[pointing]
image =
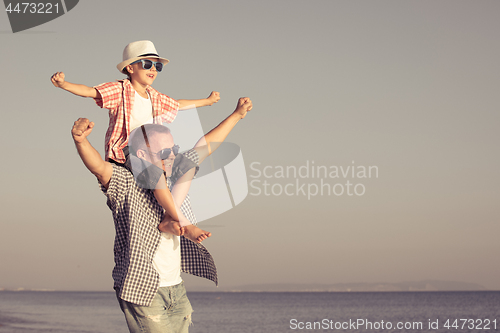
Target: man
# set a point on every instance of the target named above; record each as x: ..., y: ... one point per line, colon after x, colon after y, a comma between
x: 148, y: 262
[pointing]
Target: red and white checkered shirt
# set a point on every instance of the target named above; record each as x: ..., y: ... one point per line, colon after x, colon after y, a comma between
x: 118, y: 98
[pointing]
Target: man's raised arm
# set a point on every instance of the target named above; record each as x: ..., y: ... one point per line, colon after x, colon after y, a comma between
x: 212, y: 140
x: 90, y: 157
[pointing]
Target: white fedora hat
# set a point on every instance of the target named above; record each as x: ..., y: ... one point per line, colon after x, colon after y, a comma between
x: 139, y: 50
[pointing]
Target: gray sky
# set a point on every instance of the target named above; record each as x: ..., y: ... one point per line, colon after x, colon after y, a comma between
x: 406, y: 86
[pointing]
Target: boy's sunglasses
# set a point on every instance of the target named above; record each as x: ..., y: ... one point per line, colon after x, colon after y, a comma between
x: 147, y: 64
x: 165, y: 153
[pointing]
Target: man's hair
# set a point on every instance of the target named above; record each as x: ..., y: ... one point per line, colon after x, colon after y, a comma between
x: 137, y: 141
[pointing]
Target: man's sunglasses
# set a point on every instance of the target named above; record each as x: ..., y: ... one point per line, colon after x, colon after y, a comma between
x: 165, y: 153
x: 147, y: 64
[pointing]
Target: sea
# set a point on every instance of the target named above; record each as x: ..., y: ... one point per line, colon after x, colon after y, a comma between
x: 256, y: 312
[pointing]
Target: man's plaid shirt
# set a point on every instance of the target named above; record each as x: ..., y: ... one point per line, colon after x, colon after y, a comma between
x: 136, y: 214
x: 118, y: 98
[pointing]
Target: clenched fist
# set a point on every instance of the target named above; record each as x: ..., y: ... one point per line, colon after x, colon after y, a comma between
x: 214, y: 97
x: 58, y: 79
x: 244, y: 105
x: 81, y: 129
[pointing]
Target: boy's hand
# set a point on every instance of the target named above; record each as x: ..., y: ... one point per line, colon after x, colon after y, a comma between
x: 213, y: 98
x: 58, y: 79
x: 244, y: 105
x: 81, y: 129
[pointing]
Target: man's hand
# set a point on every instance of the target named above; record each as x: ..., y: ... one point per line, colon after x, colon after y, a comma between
x: 81, y: 129
x: 213, y: 98
x: 213, y: 139
x: 244, y: 105
x: 58, y: 79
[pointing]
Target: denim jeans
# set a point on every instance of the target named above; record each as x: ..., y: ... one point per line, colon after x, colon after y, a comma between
x: 170, y: 312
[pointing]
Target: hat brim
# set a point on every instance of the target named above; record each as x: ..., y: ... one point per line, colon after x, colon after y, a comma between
x: 121, y: 66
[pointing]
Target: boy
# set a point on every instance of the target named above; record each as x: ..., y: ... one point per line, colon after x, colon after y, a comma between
x: 131, y: 103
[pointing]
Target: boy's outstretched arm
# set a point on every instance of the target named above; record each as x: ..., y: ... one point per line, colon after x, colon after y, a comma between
x: 212, y: 140
x: 213, y: 98
x: 90, y: 157
x: 78, y: 89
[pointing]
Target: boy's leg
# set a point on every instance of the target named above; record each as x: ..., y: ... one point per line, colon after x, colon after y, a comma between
x: 182, y: 165
x: 195, y: 234
x: 169, y: 312
x: 127, y: 163
x: 152, y: 177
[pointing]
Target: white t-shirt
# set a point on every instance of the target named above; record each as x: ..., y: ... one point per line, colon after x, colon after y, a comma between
x: 142, y: 112
x: 167, y: 260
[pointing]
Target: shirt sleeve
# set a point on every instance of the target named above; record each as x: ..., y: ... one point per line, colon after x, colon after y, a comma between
x: 111, y: 95
x: 184, y: 162
x: 118, y: 183
x: 169, y: 107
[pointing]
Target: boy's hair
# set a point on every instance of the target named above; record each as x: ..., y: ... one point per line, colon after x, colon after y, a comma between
x: 137, y: 140
x: 125, y: 71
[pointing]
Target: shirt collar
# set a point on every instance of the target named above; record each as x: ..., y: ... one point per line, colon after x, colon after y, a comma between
x: 127, y: 83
